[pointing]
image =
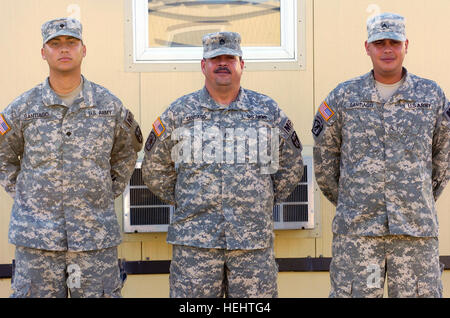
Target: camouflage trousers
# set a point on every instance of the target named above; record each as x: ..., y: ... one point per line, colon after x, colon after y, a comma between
x: 360, y: 266
x: 210, y: 273
x: 53, y: 274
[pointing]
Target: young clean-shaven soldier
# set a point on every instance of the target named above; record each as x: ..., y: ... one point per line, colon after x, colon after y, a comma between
x: 67, y: 148
x: 381, y: 155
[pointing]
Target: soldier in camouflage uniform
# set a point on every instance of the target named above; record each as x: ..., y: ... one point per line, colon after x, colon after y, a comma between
x: 381, y: 155
x: 222, y: 156
x: 67, y: 148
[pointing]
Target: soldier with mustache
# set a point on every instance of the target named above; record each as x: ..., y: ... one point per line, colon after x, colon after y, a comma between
x: 222, y: 227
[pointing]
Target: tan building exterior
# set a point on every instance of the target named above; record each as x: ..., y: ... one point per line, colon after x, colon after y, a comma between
x: 333, y: 52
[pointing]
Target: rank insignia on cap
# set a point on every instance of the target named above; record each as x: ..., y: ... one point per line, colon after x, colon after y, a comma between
x: 326, y: 111
x: 4, y: 127
x: 158, y: 127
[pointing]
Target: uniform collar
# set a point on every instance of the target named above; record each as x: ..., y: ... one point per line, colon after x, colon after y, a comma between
x: 240, y: 103
x: 403, y: 92
x: 84, y: 99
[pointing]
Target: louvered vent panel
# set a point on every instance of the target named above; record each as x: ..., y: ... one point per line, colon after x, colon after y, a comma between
x: 145, y: 212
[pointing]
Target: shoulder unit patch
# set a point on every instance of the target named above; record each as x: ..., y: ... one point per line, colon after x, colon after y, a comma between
x: 295, y: 141
x: 150, y: 141
x: 317, y: 126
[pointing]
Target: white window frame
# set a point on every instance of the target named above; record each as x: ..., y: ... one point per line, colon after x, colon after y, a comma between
x: 142, y: 58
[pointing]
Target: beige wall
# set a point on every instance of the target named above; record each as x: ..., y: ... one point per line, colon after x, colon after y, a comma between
x: 335, y: 34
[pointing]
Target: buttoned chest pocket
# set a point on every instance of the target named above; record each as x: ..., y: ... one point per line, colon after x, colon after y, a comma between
x: 92, y: 135
x: 361, y: 132
x: 194, y: 135
x: 412, y: 127
x: 256, y: 139
x: 198, y: 123
x: 255, y: 120
x: 42, y: 137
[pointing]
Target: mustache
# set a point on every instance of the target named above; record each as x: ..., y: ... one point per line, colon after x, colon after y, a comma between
x: 222, y: 68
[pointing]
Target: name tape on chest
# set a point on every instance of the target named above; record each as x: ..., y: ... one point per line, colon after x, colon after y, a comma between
x: 406, y: 105
x: 4, y: 127
x: 361, y: 105
x: 326, y: 111
x: 36, y: 115
x: 158, y: 127
x: 195, y: 117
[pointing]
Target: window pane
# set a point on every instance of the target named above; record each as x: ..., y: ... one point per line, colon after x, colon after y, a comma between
x: 183, y: 23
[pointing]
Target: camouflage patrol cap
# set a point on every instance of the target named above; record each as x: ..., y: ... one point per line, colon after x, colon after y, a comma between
x: 63, y: 26
x: 221, y: 43
x: 386, y: 26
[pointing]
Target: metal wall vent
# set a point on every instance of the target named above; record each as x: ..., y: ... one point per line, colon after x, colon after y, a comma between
x: 144, y: 212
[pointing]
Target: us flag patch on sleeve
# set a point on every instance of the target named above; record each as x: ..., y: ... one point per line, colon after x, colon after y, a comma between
x: 326, y: 111
x: 158, y: 127
x: 4, y: 127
